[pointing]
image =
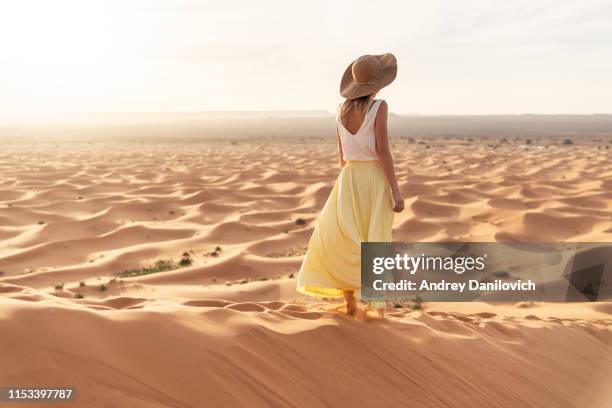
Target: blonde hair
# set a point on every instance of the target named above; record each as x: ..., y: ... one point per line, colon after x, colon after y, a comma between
x: 361, y: 104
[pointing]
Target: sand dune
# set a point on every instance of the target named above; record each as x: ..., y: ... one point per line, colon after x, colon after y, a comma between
x: 228, y: 329
x: 228, y: 353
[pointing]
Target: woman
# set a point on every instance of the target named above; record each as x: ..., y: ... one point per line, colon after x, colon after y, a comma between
x: 361, y: 204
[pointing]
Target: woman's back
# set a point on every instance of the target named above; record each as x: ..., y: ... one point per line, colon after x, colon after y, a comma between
x: 359, y: 145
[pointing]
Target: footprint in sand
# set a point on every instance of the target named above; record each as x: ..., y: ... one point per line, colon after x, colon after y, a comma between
x: 207, y: 303
x: 486, y: 315
x: 28, y: 298
x: 5, y: 288
x: 124, y: 302
x: 246, y: 307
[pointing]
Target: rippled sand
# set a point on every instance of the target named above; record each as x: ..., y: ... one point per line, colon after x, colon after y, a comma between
x: 228, y: 329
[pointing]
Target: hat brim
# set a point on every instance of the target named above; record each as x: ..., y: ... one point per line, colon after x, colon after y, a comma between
x: 350, y: 90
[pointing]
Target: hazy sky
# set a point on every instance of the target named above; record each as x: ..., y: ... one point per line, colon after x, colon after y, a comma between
x: 456, y: 57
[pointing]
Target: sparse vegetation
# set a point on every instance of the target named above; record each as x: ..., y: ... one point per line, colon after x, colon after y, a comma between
x: 215, y: 252
x: 161, y: 265
x: 102, y: 287
x: 186, y: 260
x: 78, y: 296
x: 300, y: 221
x: 81, y: 284
x: 568, y: 142
x: 501, y: 274
x: 59, y: 286
x: 417, y: 303
x: 41, y: 222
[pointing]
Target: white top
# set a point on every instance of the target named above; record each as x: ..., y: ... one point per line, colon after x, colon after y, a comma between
x: 361, y: 145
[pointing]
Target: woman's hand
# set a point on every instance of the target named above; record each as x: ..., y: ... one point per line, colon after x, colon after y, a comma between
x: 398, y: 201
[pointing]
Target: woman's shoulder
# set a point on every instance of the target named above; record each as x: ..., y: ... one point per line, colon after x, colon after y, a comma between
x: 381, y: 106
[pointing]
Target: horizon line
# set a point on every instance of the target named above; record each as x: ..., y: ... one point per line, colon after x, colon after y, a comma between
x: 287, y: 111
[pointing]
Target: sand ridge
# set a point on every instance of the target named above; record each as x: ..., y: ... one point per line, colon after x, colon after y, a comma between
x: 230, y: 353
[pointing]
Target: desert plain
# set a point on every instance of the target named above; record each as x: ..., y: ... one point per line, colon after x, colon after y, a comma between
x: 153, y: 262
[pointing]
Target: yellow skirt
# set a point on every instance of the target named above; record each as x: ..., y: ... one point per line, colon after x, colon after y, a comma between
x: 359, y: 209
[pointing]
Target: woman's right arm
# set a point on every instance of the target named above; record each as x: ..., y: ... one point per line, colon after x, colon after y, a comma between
x: 340, y: 154
x: 383, y: 153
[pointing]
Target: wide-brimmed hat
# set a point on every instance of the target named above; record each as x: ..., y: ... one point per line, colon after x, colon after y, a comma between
x: 368, y: 74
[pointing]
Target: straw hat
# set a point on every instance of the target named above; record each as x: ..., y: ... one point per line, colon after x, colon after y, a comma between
x: 368, y: 74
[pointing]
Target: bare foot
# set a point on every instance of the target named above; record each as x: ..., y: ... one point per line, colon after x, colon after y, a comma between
x: 351, y: 307
x: 362, y: 315
x: 351, y: 303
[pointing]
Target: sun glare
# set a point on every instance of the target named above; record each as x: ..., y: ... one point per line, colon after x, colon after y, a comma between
x: 55, y: 52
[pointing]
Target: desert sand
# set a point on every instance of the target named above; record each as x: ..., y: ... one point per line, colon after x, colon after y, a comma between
x: 227, y: 329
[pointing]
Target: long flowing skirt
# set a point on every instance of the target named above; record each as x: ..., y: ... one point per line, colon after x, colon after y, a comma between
x: 359, y: 209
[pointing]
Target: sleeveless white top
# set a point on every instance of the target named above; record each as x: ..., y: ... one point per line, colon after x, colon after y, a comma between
x: 361, y: 145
